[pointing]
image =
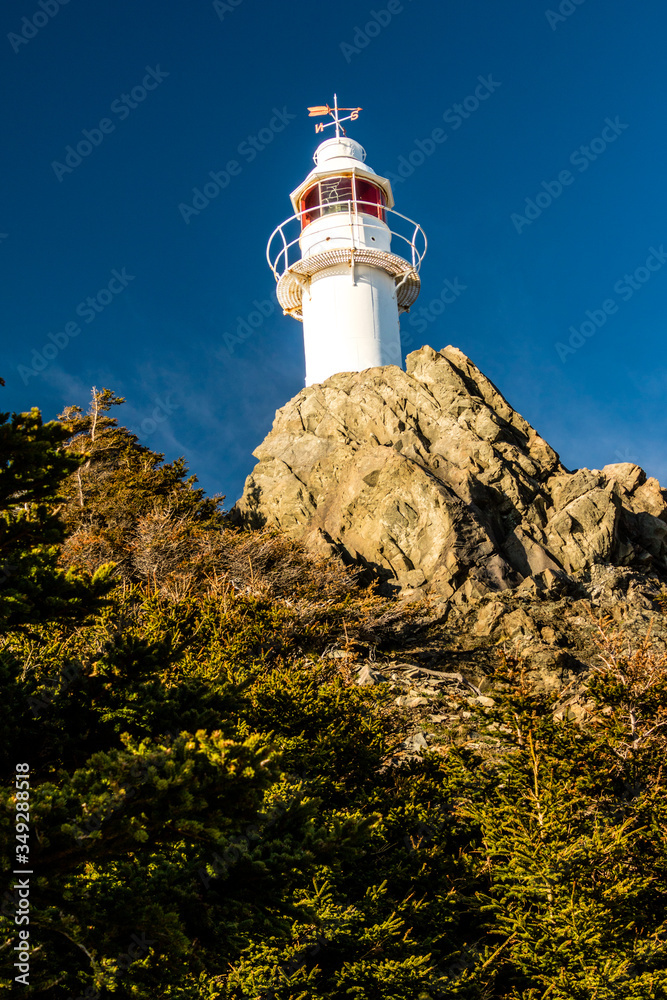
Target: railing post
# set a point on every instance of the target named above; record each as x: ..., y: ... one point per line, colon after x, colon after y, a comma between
x: 284, y: 250
x: 355, y: 207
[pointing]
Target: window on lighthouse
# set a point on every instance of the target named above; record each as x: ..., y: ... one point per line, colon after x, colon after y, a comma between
x: 372, y: 200
x: 310, y: 206
x: 342, y: 194
x: 336, y: 194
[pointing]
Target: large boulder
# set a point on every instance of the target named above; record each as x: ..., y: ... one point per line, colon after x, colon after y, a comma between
x: 430, y: 479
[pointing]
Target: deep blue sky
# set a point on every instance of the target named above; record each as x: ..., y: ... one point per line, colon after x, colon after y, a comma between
x: 160, y: 342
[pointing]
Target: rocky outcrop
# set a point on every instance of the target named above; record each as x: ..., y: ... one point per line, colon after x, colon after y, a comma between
x: 430, y: 479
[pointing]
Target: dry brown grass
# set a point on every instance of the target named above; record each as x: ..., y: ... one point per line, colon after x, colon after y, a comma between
x: 631, y: 678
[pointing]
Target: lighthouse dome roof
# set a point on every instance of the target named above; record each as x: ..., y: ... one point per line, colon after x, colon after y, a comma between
x: 340, y: 147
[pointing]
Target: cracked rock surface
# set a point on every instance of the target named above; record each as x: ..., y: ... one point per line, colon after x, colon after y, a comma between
x: 431, y: 479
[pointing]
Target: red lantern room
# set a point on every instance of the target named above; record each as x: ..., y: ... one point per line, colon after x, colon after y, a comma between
x: 342, y: 194
x: 341, y: 182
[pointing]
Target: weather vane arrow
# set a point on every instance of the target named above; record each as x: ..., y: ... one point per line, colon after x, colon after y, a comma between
x: 319, y: 110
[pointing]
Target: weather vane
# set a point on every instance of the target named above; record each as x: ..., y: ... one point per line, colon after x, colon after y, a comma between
x: 324, y: 109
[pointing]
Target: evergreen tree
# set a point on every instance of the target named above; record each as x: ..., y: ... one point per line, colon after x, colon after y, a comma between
x: 577, y: 897
x: 33, y: 466
x: 125, y: 504
x: 219, y: 811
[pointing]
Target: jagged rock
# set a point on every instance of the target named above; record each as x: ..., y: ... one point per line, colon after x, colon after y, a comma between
x: 484, y: 702
x: 416, y: 743
x: 367, y: 676
x: 410, y: 701
x: 431, y: 480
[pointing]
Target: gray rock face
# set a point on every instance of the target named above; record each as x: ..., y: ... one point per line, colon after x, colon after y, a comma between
x: 431, y: 479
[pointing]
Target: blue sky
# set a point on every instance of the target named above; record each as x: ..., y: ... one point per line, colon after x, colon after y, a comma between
x: 544, y: 204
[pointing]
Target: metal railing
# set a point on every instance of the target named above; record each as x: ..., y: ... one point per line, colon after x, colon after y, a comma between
x: 289, y: 249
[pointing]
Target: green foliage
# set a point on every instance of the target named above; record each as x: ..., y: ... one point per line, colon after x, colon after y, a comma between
x: 576, y: 895
x: 125, y: 504
x: 126, y: 802
x: 32, y: 470
x: 238, y: 801
x: 566, y: 898
x: 661, y: 599
x: 219, y: 811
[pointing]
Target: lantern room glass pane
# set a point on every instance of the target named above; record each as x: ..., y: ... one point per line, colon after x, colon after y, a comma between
x: 372, y: 198
x: 342, y: 194
x: 310, y: 206
x: 336, y: 194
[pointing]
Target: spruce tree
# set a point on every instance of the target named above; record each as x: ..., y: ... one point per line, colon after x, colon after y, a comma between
x: 33, y: 468
x: 219, y: 811
x: 125, y: 503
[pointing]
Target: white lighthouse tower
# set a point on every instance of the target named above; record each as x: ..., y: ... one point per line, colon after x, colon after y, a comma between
x: 333, y: 259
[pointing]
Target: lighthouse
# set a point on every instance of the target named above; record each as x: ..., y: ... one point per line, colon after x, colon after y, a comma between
x: 346, y: 263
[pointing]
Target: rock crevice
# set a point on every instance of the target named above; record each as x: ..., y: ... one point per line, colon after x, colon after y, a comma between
x: 430, y: 478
